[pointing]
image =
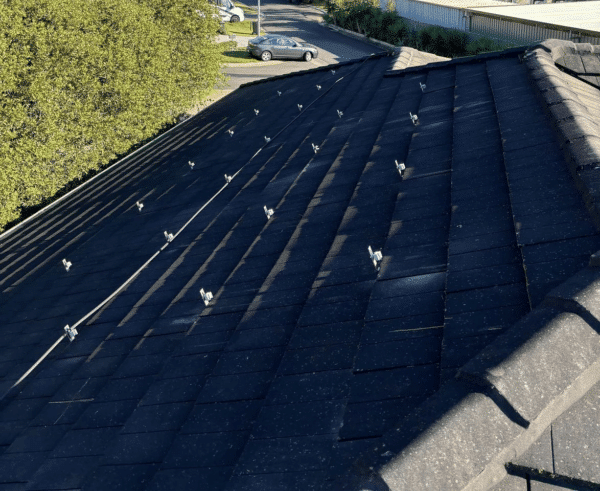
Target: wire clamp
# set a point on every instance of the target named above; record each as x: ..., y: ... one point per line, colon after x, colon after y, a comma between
x: 206, y: 296
x: 71, y: 332
x: 269, y: 212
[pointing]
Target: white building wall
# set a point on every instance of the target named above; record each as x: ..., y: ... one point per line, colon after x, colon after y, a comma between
x: 427, y: 13
x: 524, y: 32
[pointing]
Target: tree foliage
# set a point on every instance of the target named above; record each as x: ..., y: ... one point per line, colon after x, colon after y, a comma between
x: 84, y: 80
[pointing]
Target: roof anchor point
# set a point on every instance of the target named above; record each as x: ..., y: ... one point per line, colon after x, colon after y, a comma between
x: 269, y: 212
x: 67, y: 264
x: 316, y: 148
x: 230, y: 131
x: 376, y: 257
x: 333, y: 72
x: 206, y: 296
x: 279, y: 93
x: 340, y: 113
x: 318, y: 87
x: 71, y: 332
x: 423, y: 86
x: 168, y: 236
x: 191, y: 164
x: 401, y: 167
x: 267, y: 139
x: 299, y: 107
x: 414, y: 118
x: 256, y: 111
x: 139, y: 205
x: 228, y: 179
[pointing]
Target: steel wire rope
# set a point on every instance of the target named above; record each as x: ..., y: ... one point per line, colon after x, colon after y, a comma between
x: 145, y: 265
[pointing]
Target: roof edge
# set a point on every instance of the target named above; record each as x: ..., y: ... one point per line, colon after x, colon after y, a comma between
x: 459, y: 61
x: 110, y: 168
x: 324, y: 68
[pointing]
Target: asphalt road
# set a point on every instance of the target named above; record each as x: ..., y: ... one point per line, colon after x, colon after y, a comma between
x: 302, y: 22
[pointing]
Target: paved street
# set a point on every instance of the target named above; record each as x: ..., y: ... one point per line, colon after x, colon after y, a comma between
x: 302, y: 22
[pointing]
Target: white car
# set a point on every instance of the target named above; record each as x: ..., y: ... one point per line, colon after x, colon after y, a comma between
x: 228, y: 11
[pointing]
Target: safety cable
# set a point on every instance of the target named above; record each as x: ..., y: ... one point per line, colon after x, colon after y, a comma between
x: 71, y: 332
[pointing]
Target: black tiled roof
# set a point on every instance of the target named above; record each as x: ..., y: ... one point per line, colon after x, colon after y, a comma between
x: 307, y: 356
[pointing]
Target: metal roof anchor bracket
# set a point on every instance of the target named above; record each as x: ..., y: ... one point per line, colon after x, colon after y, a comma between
x: 71, y: 332
x: 318, y: 87
x: 267, y: 139
x: 423, y: 86
x: 414, y: 118
x: 340, y: 113
x: 256, y: 111
x: 191, y: 164
x: 139, y: 205
x: 168, y: 236
x: 316, y: 148
x: 279, y: 93
x: 300, y: 107
x: 206, y: 296
x: 230, y: 131
x: 228, y: 179
x: 401, y: 168
x: 269, y: 212
x: 376, y: 257
x: 67, y: 264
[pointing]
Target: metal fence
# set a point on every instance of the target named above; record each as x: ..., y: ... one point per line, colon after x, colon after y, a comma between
x: 503, y: 28
x: 523, y: 31
x: 427, y: 13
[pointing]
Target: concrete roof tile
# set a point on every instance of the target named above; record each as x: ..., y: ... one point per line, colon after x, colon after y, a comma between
x: 458, y: 446
x: 300, y: 316
x: 530, y: 365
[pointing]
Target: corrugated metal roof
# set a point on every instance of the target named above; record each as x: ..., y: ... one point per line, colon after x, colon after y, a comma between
x: 577, y: 15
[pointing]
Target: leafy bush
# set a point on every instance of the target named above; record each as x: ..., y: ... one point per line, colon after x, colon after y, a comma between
x: 482, y: 45
x: 83, y: 81
x: 365, y: 17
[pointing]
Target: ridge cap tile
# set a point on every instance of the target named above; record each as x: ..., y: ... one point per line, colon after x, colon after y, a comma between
x: 446, y: 443
x: 535, y: 361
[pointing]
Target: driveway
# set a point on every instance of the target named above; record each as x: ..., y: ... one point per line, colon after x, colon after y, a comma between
x: 302, y: 22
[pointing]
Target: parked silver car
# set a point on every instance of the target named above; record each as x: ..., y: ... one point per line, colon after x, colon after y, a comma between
x: 278, y: 46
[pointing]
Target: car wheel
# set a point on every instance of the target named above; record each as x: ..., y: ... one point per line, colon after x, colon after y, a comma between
x: 307, y: 56
x: 234, y: 18
x: 265, y: 56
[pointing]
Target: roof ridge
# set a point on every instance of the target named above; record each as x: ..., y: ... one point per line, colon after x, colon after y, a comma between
x: 570, y: 102
x: 501, y: 401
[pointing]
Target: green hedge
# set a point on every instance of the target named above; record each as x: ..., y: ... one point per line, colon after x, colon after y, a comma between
x: 366, y: 18
x: 83, y: 81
